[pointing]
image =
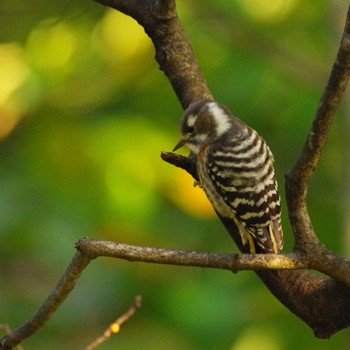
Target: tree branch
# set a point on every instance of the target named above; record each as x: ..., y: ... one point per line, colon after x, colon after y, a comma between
x: 114, y: 327
x: 91, y: 249
x: 325, y: 318
x: 321, y: 302
x: 319, y: 259
x: 232, y: 262
x: 268, y: 266
x: 298, y: 178
x: 51, y: 304
x: 174, y: 52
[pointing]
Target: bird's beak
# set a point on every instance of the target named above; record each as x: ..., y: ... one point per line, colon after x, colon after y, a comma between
x: 180, y: 144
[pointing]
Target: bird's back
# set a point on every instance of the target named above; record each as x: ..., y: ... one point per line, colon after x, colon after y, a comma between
x: 237, y: 174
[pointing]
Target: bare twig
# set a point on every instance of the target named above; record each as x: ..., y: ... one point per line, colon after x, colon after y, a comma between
x: 298, y: 178
x: 231, y: 262
x: 114, y: 327
x: 91, y: 249
x: 323, y: 303
x: 51, y: 304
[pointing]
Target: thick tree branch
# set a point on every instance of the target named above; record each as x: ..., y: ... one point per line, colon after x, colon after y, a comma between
x: 322, y: 315
x: 321, y: 302
x: 319, y: 259
x: 174, y: 52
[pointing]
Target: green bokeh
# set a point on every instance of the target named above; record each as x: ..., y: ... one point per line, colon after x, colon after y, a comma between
x: 82, y: 160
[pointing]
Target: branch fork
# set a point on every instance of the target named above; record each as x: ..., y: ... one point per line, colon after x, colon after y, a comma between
x: 322, y: 302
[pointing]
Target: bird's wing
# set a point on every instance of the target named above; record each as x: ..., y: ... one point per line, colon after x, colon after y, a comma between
x: 250, y: 196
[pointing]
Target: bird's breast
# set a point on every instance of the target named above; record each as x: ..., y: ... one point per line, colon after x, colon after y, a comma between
x: 209, y: 187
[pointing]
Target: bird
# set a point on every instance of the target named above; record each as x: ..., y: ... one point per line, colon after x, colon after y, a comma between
x: 235, y: 170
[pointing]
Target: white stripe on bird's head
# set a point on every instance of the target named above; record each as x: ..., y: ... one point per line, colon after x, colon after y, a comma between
x: 221, y: 118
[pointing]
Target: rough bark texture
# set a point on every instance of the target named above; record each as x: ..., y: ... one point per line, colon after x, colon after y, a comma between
x: 174, y: 52
x: 322, y: 302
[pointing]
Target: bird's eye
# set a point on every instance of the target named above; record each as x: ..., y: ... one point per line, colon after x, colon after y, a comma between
x: 190, y: 129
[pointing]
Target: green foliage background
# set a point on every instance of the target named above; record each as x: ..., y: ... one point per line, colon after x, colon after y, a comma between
x: 84, y: 115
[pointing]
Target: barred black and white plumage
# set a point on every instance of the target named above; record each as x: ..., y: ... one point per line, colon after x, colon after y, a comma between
x: 235, y: 169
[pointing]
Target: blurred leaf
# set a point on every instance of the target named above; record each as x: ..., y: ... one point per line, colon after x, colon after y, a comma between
x: 84, y: 115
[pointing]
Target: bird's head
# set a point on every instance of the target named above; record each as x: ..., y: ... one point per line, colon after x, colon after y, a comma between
x: 202, y: 123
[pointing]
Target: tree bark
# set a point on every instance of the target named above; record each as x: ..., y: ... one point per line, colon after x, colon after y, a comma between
x: 321, y: 302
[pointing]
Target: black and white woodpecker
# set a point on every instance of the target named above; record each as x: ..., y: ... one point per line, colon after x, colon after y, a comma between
x: 235, y: 170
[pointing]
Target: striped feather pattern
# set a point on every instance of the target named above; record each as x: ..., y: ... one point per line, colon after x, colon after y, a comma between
x: 239, y: 180
x: 235, y: 168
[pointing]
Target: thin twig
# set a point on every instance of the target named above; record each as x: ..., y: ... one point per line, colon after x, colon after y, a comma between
x: 321, y: 302
x: 114, y: 327
x: 51, y: 304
